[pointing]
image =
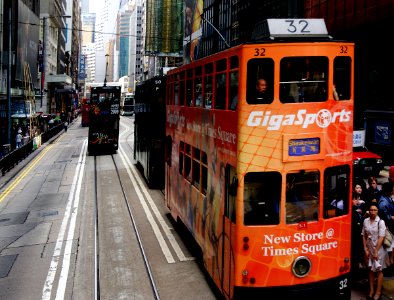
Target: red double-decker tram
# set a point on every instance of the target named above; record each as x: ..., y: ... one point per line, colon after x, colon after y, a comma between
x: 261, y: 179
x: 85, y: 107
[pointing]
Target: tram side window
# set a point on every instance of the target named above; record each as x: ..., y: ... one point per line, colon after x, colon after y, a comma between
x: 198, y: 92
x: 262, y: 192
x: 233, y: 92
x: 181, y: 157
x: 182, y: 92
x: 198, y: 86
x: 260, y: 69
x: 188, y: 162
x: 220, y: 84
x: 303, y: 79
x: 342, y: 77
x: 231, y: 192
x: 208, y: 91
x: 196, y: 168
x: 336, y: 191
x: 189, y: 92
x: 220, y: 97
x: 185, y: 160
x: 302, y: 196
x: 176, y: 93
x: 193, y: 166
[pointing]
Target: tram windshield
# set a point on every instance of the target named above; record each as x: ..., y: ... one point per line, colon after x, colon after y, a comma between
x: 303, y: 79
x: 302, y: 196
x: 261, y: 198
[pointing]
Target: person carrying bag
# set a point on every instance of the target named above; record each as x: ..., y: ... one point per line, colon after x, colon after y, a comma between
x: 386, y: 213
x: 376, y: 256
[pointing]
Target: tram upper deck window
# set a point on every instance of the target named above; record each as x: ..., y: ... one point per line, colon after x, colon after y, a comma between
x: 261, y: 198
x: 260, y: 69
x: 342, y: 77
x: 233, y: 86
x: 220, y: 90
x: 302, y: 196
x: 198, y: 87
x: 303, y: 79
x: 233, y: 90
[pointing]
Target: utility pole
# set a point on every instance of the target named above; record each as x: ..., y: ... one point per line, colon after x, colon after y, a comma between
x: 9, y: 78
x: 44, y: 19
x: 106, y: 66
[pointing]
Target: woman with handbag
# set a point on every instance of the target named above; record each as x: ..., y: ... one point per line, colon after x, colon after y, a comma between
x: 386, y: 211
x: 377, y: 259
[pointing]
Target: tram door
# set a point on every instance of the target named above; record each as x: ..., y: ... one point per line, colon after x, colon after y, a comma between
x: 228, y: 234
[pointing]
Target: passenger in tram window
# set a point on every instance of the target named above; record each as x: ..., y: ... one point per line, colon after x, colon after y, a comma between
x: 261, y: 95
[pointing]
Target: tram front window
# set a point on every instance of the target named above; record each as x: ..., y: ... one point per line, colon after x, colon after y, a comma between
x: 302, y: 196
x: 336, y: 191
x: 303, y: 79
x: 261, y: 198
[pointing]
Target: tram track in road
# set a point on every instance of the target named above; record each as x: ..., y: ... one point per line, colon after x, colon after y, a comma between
x: 135, y: 251
x: 107, y: 229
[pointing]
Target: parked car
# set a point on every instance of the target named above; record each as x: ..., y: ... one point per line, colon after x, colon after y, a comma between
x: 366, y: 163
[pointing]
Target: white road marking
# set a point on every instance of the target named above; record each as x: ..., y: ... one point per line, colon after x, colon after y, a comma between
x: 152, y: 222
x: 163, y: 224
x: 68, y: 215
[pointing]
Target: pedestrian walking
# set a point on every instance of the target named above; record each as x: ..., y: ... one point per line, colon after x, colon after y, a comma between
x: 18, y: 139
x: 65, y: 126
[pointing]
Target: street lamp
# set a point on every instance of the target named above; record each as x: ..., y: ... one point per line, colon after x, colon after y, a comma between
x: 43, y: 52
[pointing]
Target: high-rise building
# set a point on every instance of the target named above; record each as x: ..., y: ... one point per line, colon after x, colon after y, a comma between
x: 85, y: 6
x: 89, y: 51
x: 105, y: 31
x: 124, y: 40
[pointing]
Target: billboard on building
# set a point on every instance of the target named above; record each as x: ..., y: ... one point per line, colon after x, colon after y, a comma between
x: 192, y: 29
x: 164, y: 27
x: 27, y: 47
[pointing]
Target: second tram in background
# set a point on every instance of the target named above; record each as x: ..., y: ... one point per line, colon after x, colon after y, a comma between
x: 85, y: 108
x: 104, y: 119
x: 127, y: 105
x: 149, y: 130
x: 261, y: 176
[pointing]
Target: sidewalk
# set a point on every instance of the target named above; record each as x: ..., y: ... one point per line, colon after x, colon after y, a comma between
x: 360, y: 287
x: 17, y: 168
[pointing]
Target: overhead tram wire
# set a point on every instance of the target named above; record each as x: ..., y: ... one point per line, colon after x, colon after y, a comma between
x: 100, y: 32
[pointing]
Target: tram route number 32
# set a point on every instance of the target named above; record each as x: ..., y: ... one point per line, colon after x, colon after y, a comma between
x: 114, y: 109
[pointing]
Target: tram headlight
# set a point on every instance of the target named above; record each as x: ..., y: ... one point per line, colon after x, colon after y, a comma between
x: 301, y: 266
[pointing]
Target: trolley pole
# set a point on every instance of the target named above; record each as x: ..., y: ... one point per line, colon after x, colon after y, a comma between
x: 218, y: 32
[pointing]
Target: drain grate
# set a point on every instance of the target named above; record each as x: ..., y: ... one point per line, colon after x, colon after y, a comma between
x: 6, y: 263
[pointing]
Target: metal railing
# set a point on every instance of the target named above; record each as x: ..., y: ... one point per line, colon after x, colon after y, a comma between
x: 12, y: 158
